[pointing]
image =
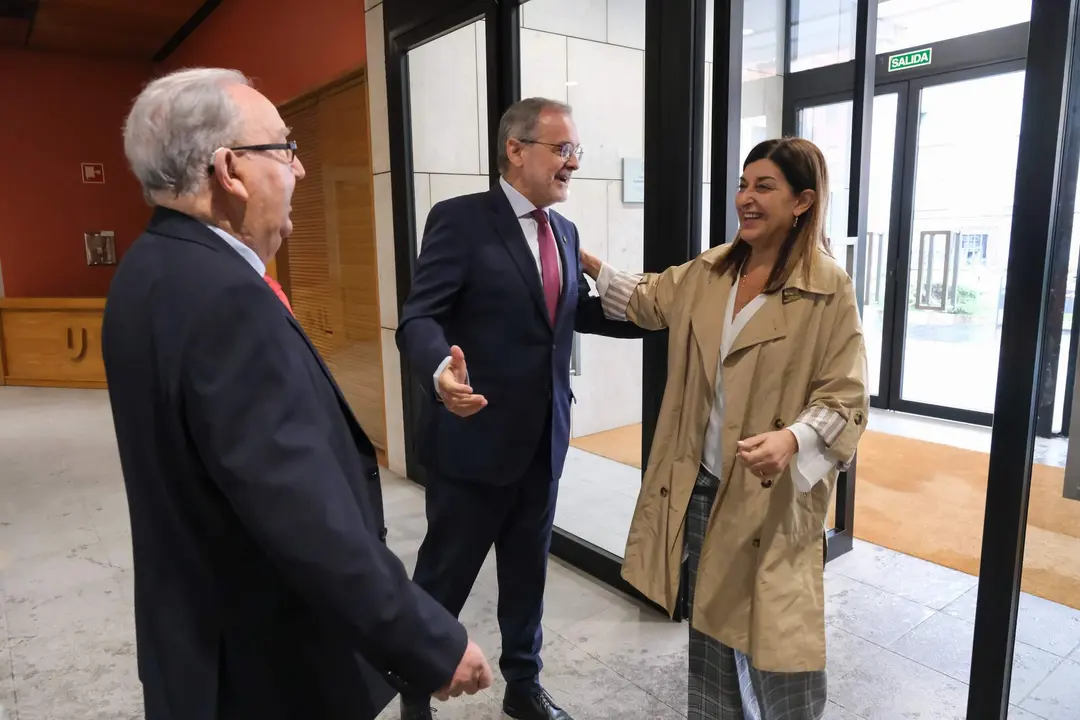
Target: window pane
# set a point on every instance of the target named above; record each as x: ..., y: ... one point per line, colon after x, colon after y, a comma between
x: 448, y: 96
x: 960, y: 241
x: 762, y: 90
x: 906, y: 23
x: 592, y: 56
x: 823, y: 31
x: 829, y: 126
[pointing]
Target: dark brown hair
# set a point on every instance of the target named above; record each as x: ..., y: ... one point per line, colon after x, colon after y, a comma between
x: 803, y: 166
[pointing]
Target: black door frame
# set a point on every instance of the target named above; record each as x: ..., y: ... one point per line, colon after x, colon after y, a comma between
x: 1050, y: 123
x: 966, y: 58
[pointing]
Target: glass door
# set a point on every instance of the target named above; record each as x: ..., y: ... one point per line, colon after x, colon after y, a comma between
x: 961, y: 215
x: 942, y: 175
x: 828, y: 125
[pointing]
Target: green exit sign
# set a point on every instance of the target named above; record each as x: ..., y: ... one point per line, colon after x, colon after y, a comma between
x: 909, y: 60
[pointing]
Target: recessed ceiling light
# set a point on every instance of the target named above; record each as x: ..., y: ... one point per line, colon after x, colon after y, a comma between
x: 747, y: 32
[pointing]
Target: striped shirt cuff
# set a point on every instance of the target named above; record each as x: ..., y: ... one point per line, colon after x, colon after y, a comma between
x: 616, y: 288
x: 827, y: 423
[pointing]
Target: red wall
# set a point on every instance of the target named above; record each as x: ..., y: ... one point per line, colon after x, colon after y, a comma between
x: 288, y: 47
x: 59, y: 111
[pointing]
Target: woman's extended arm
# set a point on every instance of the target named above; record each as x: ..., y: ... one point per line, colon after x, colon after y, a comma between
x: 644, y: 299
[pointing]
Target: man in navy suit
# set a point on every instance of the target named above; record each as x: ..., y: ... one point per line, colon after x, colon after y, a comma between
x: 263, y: 586
x: 499, y: 281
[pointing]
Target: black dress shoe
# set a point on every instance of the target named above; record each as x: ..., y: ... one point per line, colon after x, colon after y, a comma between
x: 422, y: 711
x: 532, y: 704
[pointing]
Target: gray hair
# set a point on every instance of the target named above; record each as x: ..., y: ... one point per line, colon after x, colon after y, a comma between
x: 520, y: 120
x: 175, y: 126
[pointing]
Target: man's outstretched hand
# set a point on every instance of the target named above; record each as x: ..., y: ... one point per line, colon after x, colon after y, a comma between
x: 454, y: 389
x: 472, y: 675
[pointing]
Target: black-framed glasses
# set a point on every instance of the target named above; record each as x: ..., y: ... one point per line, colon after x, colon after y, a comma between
x: 563, y: 150
x: 288, y: 147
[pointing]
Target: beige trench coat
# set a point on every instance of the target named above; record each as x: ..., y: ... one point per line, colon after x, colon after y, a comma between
x: 760, y: 580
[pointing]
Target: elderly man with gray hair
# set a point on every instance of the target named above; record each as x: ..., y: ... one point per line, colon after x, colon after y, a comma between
x: 263, y: 586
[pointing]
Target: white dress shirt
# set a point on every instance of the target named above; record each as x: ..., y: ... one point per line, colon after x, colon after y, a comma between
x: 523, y: 210
x: 245, y: 252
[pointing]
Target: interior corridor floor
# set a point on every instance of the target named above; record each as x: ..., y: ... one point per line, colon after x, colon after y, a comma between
x: 899, y: 629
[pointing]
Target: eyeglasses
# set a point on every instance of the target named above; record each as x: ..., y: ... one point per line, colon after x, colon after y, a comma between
x: 563, y: 150
x: 288, y: 147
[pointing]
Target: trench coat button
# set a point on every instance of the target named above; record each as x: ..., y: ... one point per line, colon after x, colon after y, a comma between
x: 663, y: 492
x: 756, y: 542
x: 766, y: 483
x: 858, y: 417
x: 778, y: 424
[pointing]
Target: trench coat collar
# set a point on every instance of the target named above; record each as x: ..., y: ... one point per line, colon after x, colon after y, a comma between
x: 769, y: 323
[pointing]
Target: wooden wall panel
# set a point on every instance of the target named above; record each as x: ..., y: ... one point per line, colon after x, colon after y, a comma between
x: 51, y: 342
x: 309, y: 272
x: 329, y: 261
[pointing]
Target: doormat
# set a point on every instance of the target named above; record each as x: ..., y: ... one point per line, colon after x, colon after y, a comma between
x: 927, y: 500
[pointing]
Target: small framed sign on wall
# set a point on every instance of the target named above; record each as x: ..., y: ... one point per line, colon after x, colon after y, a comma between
x: 633, y: 181
x: 100, y: 247
x: 93, y: 173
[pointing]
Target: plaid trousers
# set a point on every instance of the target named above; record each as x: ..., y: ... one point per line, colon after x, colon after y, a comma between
x: 723, y: 683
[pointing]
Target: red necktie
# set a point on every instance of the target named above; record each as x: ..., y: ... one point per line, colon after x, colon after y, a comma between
x: 549, y: 262
x: 276, y: 287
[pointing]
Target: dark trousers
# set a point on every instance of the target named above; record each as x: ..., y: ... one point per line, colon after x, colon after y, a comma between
x: 464, y: 521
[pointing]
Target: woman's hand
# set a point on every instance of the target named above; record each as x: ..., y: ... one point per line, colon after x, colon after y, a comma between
x: 768, y: 454
x: 590, y: 264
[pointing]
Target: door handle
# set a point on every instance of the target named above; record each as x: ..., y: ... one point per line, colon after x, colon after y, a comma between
x: 76, y: 355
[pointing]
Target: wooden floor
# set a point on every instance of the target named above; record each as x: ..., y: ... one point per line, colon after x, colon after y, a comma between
x: 927, y: 500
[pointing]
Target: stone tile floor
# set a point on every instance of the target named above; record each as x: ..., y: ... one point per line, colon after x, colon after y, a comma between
x: 899, y: 629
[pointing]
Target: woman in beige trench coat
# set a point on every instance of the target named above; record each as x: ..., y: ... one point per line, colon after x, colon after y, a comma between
x: 765, y: 402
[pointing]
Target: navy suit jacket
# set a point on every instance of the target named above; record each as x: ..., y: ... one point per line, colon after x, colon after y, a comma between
x: 476, y: 285
x: 263, y: 587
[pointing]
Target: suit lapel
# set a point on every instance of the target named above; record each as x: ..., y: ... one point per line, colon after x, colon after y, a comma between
x: 569, y: 268
x: 354, y: 424
x: 509, y: 230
